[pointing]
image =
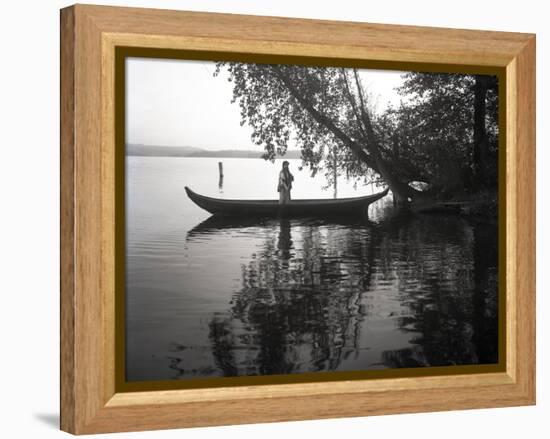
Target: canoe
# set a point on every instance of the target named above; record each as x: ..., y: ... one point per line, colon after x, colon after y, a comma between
x: 295, y: 208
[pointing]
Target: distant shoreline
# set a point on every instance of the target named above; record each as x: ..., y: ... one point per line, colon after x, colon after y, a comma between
x: 193, y: 152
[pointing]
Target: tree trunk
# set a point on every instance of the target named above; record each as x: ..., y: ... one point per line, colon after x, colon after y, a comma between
x: 480, y: 146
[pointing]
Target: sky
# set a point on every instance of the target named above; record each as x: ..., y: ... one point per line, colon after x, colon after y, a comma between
x: 180, y: 103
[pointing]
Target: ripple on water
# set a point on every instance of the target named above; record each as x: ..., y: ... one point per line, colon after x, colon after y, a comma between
x: 288, y: 296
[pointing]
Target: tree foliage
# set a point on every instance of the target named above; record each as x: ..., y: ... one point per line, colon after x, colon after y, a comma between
x: 326, y: 112
x: 435, y: 125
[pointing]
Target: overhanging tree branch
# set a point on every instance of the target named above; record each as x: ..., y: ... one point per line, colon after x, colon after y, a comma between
x: 323, y: 120
x: 353, y: 104
x: 373, y: 160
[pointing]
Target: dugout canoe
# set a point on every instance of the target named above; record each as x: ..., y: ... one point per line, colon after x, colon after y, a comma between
x: 295, y: 208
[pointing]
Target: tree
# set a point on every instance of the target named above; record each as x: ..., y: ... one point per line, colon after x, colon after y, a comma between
x: 450, y: 123
x: 326, y: 111
x: 320, y: 108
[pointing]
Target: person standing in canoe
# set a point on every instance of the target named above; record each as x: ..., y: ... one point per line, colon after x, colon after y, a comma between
x: 285, y: 184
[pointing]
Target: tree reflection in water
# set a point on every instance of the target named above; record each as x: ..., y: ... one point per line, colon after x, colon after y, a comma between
x: 311, y: 297
x: 296, y: 308
x: 448, y: 281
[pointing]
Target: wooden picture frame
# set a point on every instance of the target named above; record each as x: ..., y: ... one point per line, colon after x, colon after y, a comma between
x: 91, y: 400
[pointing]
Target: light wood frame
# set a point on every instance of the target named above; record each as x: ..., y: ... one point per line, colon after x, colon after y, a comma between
x: 89, y: 36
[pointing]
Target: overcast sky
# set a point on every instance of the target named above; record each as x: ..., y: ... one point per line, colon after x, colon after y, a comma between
x: 180, y: 103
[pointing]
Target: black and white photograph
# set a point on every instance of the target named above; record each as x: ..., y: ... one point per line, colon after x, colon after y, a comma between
x: 288, y: 219
x: 275, y: 219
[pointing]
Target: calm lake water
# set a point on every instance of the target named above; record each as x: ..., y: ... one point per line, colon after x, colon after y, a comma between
x: 209, y: 298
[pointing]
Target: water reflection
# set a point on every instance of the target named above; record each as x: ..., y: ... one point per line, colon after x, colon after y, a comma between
x: 409, y: 291
x: 264, y: 296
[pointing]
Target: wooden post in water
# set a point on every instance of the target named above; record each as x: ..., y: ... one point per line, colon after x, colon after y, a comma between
x: 220, y: 181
